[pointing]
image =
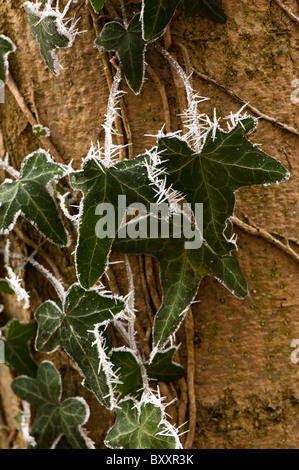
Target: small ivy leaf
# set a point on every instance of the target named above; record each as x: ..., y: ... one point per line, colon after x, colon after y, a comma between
x: 97, y: 5
x: 29, y: 197
x: 6, y: 287
x: 6, y: 47
x: 49, y: 33
x: 71, y: 328
x: 17, y: 356
x: 130, y: 47
x: 137, y: 426
x: 53, y: 418
x: 162, y: 367
x: 181, y: 271
x: 209, y: 8
x: 227, y: 161
x: 40, y: 131
x: 128, y: 370
x: 156, y: 14
x: 104, y: 185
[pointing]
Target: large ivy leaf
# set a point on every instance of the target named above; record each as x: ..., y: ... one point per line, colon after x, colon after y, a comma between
x: 101, y: 185
x: 226, y: 162
x: 29, y: 197
x: 130, y: 47
x: 181, y: 271
x: 162, y: 367
x: 97, y: 5
x: 156, y: 14
x: 48, y: 36
x: 17, y: 355
x: 71, y: 327
x: 138, y: 427
x: 6, y: 47
x: 209, y: 8
x: 54, y: 418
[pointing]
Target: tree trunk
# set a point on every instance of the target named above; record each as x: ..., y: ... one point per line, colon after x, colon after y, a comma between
x: 239, y: 375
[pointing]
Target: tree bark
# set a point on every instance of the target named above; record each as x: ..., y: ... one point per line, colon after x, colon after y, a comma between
x: 241, y: 380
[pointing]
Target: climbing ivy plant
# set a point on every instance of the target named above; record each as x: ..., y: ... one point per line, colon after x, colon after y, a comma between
x: 203, y: 164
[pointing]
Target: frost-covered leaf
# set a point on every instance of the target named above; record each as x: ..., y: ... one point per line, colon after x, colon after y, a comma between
x: 130, y: 47
x: 16, y: 338
x: 5, y: 287
x: 181, y: 271
x: 128, y: 371
x: 227, y: 161
x: 209, y: 8
x: 97, y: 4
x: 162, y: 367
x: 156, y: 14
x: 72, y: 326
x: 137, y: 426
x: 104, y: 185
x: 40, y: 131
x: 49, y: 32
x: 29, y: 197
x: 54, y: 418
x: 6, y: 47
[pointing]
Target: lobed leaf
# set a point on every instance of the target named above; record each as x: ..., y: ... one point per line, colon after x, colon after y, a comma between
x: 16, y: 338
x: 162, y: 367
x: 156, y: 14
x: 6, y: 47
x: 71, y: 327
x: 130, y: 48
x: 97, y: 5
x: 128, y: 370
x: 54, y: 419
x: 30, y: 197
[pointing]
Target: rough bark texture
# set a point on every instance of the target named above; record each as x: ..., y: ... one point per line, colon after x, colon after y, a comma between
x: 246, y: 387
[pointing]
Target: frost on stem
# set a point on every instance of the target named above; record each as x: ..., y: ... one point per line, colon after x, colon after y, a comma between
x: 25, y: 424
x: 7, y: 167
x: 13, y: 279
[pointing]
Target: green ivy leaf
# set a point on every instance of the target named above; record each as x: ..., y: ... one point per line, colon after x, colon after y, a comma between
x: 130, y: 47
x: 54, y: 418
x: 97, y: 5
x: 225, y: 163
x: 6, y: 47
x: 209, y: 8
x: 156, y: 14
x: 71, y: 328
x: 100, y: 185
x: 5, y: 287
x: 181, y: 271
x: 128, y: 371
x: 48, y: 36
x: 162, y: 367
x: 29, y: 197
x: 17, y: 356
x: 137, y: 426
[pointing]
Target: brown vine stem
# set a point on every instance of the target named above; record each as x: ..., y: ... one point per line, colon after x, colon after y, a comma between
x: 163, y: 95
x: 46, y: 141
x: 259, y: 232
x: 290, y: 14
x: 255, y: 110
x: 189, y: 329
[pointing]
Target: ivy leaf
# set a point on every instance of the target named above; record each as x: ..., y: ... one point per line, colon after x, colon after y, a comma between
x: 137, y: 426
x: 128, y: 371
x: 130, y: 48
x: 5, y: 287
x: 71, y: 327
x: 162, y: 367
x: 101, y: 185
x: 54, y: 418
x: 97, y: 5
x: 29, y: 197
x: 181, y: 271
x: 156, y: 14
x: 17, y: 356
x: 226, y: 162
x: 48, y: 34
x: 209, y: 8
x: 6, y: 47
